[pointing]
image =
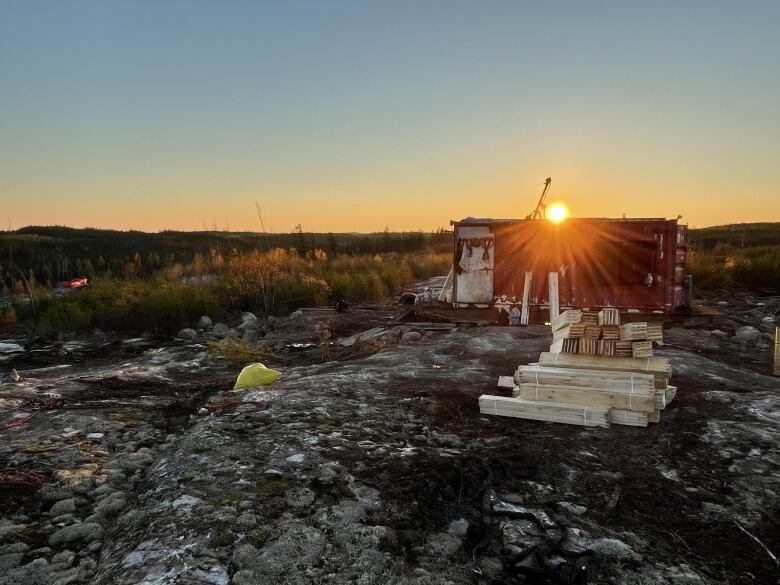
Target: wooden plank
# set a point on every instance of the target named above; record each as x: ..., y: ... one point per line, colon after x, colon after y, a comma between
x: 526, y: 298
x: 572, y: 330
x: 595, y: 378
x: 544, y: 411
x: 628, y: 417
x: 506, y: 382
x: 590, y: 318
x: 661, y: 368
x: 655, y: 332
x: 654, y: 417
x: 610, y: 332
x: 586, y: 397
x: 633, y: 331
x: 588, y: 346
x: 609, y: 316
x: 592, y: 332
x: 566, y: 345
x: 615, y: 381
x: 568, y: 317
x: 624, y: 349
x: 642, y: 349
x: 553, y: 290
x: 364, y: 336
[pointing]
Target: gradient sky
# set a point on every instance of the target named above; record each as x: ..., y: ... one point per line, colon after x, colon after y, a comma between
x: 353, y: 116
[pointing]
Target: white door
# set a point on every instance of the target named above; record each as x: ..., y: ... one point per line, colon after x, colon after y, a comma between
x: 474, y: 271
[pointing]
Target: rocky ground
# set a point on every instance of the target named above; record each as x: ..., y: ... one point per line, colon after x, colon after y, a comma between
x: 371, y: 463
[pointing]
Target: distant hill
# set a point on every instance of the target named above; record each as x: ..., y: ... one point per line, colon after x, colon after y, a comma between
x: 737, y: 234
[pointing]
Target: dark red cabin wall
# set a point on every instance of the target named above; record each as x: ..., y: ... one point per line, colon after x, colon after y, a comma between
x: 606, y: 261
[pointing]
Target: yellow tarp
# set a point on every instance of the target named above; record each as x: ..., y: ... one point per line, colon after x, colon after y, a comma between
x: 255, y: 375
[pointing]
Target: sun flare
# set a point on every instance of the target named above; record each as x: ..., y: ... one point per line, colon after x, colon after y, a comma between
x: 557, y: 212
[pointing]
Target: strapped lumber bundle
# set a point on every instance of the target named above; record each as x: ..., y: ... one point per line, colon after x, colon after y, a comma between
x: 571, y: 331
x: 609, y: 317
x: 566, y: 345
x: 589, y: 346
x: 624, y: 349
x: 590, y: 318
x: 544, y: 411
x: 633, y: 340
x: 596, y: 373
x: 633, y: 332
x: 610, y: 332
x: 640, y: 349
x: 565, y: 318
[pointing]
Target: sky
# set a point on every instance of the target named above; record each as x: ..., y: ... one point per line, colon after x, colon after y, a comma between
x: 357, y: 115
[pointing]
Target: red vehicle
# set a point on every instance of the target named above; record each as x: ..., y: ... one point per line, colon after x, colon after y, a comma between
x: 74, y: 283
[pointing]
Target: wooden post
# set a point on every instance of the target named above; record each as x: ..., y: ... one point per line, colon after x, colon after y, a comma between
x: 776, y: 370
x: 526, y: 298
x: 553, y: 290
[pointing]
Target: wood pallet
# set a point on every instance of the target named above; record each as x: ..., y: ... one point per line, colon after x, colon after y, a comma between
x: 544, y: 411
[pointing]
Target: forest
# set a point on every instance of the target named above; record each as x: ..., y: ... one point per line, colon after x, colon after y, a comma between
x: 158, y: 282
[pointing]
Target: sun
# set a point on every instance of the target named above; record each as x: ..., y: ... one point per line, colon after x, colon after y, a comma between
x: 557, y: 212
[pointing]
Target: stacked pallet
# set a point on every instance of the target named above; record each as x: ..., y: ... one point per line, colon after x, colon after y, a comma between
x: 589, y: 379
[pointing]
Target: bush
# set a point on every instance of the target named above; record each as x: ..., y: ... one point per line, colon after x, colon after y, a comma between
x: 274, y: 281
x: 755, y: 267
x: 7, y: 318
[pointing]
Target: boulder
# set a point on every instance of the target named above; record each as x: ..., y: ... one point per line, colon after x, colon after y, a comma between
x: 187, y: 334
x: 204, y: 323
x: 111, y: 505
x: 87, y: 532
x: 411, y: 337
x: 67, y: 506
x: 248, y: 319
x: 747, y: 334
x: 220, y: 330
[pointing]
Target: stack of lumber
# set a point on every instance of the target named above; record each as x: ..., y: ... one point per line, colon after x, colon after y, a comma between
x: 588, y: 379
x: 629, y: 340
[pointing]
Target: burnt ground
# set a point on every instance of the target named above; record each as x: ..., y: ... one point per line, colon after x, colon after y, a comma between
x: 377, y: 467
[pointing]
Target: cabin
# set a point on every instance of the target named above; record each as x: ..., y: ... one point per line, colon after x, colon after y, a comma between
x: 635, y: 265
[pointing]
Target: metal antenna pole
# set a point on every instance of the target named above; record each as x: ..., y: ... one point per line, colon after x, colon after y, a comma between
x: 260, y: 215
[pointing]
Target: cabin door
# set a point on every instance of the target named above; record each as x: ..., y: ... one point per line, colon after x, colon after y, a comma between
x: 475, y: 261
